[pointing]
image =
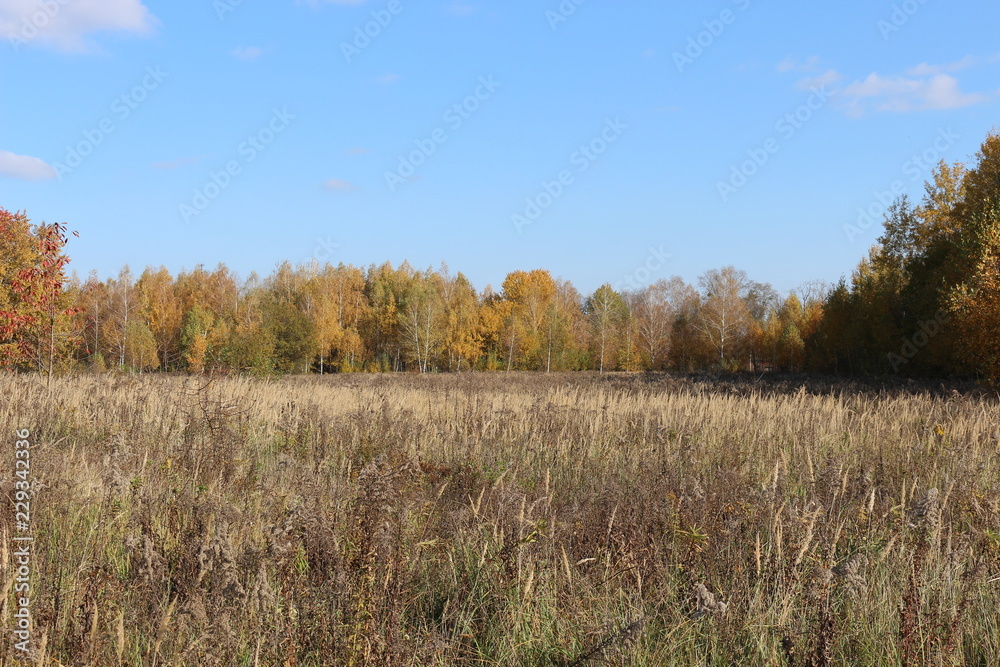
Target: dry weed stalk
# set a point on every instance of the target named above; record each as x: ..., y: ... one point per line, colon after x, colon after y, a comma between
x: 478, y: 519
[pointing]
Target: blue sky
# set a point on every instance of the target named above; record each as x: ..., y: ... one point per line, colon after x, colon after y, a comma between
x: 589, y: 138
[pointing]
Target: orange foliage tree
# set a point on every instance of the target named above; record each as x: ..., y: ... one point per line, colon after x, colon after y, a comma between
x: 34, y: 325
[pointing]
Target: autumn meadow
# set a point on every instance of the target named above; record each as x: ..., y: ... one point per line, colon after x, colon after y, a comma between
x: 502, y: 519
x: 341, y: 465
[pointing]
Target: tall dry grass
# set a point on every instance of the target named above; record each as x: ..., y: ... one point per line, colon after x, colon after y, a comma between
x: 505, y: 520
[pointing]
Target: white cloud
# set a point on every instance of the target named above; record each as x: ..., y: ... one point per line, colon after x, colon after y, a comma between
x: 943, y: 92
x: 25, y: 167
x: 901, y: 94
x: 791, y: 65
x: 923, y: 69
x: 337, y: 185
x: 924, y: 87
x: 67, y: 25
x: 247, y: 52
x: 826, y: 79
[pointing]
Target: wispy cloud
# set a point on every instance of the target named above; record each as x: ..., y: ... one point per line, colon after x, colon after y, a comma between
x: 387, y: 78
x: 358, y: 151
x: 68, y: 26
x: 901, y: 94
x: 826, y: 79
x: 810, y: 64
x: 337, y: 185
x: 247, y: 52
x: 924, y: 87
x: 924, y: 69
x: 25, y: 167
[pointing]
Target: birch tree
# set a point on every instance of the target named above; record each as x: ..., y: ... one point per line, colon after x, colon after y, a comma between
x: 723, y: 318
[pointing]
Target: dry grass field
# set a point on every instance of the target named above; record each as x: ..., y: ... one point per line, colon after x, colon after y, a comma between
x: 503, y: 520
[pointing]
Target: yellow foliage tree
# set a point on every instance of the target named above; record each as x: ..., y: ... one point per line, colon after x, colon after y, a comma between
x: 531, y: 294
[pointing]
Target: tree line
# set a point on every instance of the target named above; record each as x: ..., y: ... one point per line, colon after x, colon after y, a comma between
x: 925, y: 301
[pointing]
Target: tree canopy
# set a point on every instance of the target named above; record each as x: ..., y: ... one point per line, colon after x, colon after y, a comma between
x: 924, y: 301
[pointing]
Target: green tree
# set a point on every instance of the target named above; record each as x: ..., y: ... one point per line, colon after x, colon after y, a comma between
x: 140, y: 347
x: 196, y: 329
x: 293, y: 333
